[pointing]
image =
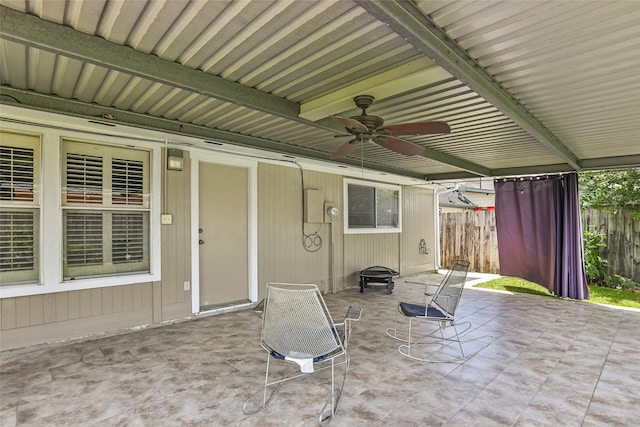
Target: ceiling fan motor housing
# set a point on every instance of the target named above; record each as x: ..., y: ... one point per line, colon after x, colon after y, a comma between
x: 363, y: 101
x: 371, y: 122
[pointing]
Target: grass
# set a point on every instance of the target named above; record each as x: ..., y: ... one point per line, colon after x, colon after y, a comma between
x: 597, y: 294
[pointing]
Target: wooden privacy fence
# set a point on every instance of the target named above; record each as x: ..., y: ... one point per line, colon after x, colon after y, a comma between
x: 623, y: 240
x: 472, y: 235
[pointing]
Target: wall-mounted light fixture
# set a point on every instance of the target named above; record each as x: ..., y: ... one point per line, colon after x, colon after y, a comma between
x: 175, y: 159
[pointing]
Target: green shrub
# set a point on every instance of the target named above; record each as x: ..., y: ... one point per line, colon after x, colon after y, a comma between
x: 621, y: 282
x: 595, y: 266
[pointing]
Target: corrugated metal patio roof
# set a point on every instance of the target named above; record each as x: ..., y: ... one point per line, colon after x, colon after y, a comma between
x: 527, y: 87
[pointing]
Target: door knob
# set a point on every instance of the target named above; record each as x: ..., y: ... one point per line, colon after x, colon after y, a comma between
x: 201, y: 242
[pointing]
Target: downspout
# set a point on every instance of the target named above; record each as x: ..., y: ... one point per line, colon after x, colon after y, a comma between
x: 436, y: 214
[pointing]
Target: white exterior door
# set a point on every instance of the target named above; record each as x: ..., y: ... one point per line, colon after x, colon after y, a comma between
x: 223, y: 235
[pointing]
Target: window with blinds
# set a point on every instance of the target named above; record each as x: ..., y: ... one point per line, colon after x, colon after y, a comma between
x: 19, y: 208
x: 105, y: 210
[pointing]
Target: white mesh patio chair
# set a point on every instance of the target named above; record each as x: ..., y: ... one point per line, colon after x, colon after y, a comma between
x: 430, y: 304
x: 298, y: 330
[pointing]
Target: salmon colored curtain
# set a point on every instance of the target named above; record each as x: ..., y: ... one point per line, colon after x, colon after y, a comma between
x: 540, y: 233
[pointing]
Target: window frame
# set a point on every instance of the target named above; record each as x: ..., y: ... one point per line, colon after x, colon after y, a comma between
x: 51, y: 217
x: 104, y: 203
x: 376, y: 186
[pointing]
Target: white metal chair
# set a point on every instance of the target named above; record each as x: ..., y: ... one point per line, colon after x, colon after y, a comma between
x: 436, y: 304
x: 297, y: 328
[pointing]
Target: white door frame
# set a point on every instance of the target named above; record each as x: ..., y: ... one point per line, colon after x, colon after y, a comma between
x: 252, y: 244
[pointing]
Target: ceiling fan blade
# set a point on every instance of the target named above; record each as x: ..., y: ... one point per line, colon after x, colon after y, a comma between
x: 418, y: 128
x: 399, y: 145
x: 352, y: 124
x: 345, y: 149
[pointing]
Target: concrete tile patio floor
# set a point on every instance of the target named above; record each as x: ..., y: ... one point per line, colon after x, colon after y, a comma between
x: 553, y: 363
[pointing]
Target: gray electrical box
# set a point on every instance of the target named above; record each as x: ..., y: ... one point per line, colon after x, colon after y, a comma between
x: 313, y: 206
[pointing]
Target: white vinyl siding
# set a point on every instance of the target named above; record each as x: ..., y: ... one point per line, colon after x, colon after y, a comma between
x: 105, y: 210
x: 19, y: 208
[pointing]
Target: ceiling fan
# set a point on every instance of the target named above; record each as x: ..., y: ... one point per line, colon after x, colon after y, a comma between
x: 366, y: 127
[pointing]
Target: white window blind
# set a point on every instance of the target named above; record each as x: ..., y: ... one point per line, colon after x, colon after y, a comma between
x: 84, y: 238
x: 16, y: 229
x: 16, y: 173
x: 128, y: 238
x: 84, y: 179
x: 19, y: 208
x: 106, y: 210
x: 128, y: 182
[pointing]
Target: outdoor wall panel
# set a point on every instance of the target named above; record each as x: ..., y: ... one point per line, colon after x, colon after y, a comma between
x: 61, y: 307
x: 417, y: 225
x: 176, y: 241
x: 282, y: 257
x: 127, y: 300
x: 84, y: 303
x: 280, y: 239
x: 42, y: 318
x: 118, y: 303
x: 49, y: 308
x: 96, y: 301
x: 107, y: 300
x: 35, y: 310
x: 73, y: 304
x: 8, y: 315
x: 56, y: 331
x: 366, y: 250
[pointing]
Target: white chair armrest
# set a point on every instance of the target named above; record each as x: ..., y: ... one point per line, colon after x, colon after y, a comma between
x: 429, y: 289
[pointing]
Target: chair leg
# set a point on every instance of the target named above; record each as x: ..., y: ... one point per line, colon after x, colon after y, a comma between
x: 457, y: 339
x: 264, y: 390
x: 439, y: 338
x: 393, y: 332
x: 334, y: 398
